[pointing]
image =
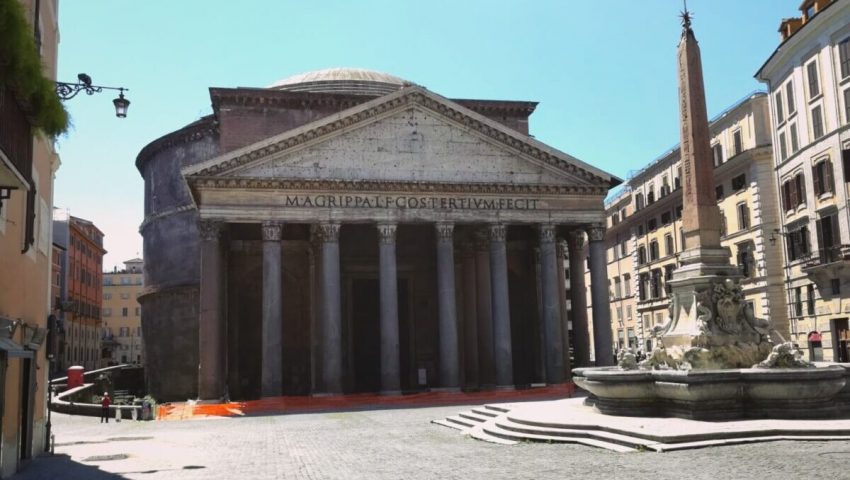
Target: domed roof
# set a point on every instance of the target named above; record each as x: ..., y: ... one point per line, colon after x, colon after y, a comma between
x: 356, y: 81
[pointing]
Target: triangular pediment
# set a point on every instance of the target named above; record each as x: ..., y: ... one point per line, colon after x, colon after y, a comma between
x: 412, y: 135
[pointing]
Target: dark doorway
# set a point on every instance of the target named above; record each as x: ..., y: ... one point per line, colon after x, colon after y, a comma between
x: 27, y: 388
x: 365, y: 328
x: 366, y: 334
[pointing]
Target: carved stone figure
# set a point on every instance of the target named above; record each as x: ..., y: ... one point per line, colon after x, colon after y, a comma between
x: 626, y: 360
x: 728, y: 298
x: 784, y: 355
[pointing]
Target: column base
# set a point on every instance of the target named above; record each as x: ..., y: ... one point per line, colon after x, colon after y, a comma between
x: 390, y: 393
x: 446, y: 389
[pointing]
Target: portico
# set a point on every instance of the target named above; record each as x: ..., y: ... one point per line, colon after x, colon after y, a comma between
x: 404, y: 243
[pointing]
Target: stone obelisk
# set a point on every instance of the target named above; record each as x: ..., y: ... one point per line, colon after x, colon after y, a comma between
x: 701, y: 216
x: 703, y: 261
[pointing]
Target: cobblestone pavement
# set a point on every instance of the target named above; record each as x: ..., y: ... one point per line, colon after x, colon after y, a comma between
x: 393, y: 444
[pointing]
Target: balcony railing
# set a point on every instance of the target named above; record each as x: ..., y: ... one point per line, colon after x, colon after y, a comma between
x: 826, y: 256
x: 15, y: 135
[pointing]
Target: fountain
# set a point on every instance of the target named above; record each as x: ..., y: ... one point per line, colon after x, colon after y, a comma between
x: 714, y: 360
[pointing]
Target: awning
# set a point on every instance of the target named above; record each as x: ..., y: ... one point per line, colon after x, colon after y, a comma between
x: 13, y: 350
x: 814, y: 337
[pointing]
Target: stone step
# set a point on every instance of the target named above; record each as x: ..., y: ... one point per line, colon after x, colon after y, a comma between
x: 486, y: 412
x: 497, y: 408
x: 479, y: 432
x: 475, y: 416
x: 628, y: 441
x: 494, y: 430
x: 452, y: 425
x: 463, y: 423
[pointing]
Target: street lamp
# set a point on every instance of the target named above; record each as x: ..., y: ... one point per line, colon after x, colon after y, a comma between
x: 67, y: 91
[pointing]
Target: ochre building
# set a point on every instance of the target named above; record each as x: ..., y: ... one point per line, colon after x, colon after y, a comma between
x: 348, y: 231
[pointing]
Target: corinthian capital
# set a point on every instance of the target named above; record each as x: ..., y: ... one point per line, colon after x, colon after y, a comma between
x: 272, y: 231
x: 445, y: 230
x: 210, y: 229
x: 328, y: 232
x: 386, y: 233
x: 497, y: 232
x: 547, y: 233
x: 596, y: 233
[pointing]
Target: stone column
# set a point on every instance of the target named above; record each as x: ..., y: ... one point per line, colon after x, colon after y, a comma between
x: 552, y: 334
x: 390, y: 362
x: 211, y: 324
x: 561, y: 255
x: 484, y: 308
x: 447, y: 307
x: 330, y: 309
x: 272, y: 349
x: 578, y: 297
x: 470, y: 319
x: 602, y: 337
x: 501, y: 307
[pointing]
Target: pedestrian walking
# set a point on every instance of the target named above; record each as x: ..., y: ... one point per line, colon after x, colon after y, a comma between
x: 104, y: 407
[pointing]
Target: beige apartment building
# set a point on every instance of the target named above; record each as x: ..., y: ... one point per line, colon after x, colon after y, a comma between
x: 808, y: 79
x: 121, y: 336
x: 644, y: 235
x: 28, y: 162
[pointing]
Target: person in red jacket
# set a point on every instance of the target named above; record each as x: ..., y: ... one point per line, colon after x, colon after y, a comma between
x: 104, y: 407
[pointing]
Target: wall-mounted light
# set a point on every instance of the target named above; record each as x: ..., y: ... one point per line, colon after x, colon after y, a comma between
x: 67, y: 91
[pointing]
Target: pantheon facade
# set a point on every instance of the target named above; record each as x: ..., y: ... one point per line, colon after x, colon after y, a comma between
x: 347, y: 231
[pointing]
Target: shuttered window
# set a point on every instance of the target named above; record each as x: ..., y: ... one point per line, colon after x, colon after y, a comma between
x: 814, y: 83
x: 844, y: 57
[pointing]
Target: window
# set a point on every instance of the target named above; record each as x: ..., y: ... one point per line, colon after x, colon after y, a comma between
x: 746, y: 260
x: 126, y: 281
x: 835, y: 284
x: 124, y: 312
x: 780, y: 114
x: 789, y: 98
x: 624, y: 248
x: 828, y: 238
x: 650, y: 197
x: 718, y: 192
x: 677, y: 182
x: 627, y: 289
x: 814, y: 83
x: 628, y: 312
x: 641, y: 255
x: 668, y: 275
x: 844, y: 57
x: 638, y: 201
x: 822, y: 178
x: 810, y: 299
x: 847, y: 106
x: 643, y: 286
x: 794, y: 192
x: 653, y: 250
x: 107, y: 296
x: 743, y: 216
x: 124, y: 332
x: 668, y: 241
x: 614, y: 253
x: 655, y: 286
x: 795, y: 142
x: 817, y: 123
x: 107, y: 312
x: 722, y: 224
x: 717, y: 153
x: 738, y: 142
x: 679, y: 212
x: 640, y: 230
x: 798, y: 302
x: 665, y: 218
x: 798, y: 243
x: 739, y: 182
x: 615, y: 218
x: 125, y: 296
x: 617, y: 288
x: 783, y: 150
x: 665, y: 187
x: 138, y: 310
x: 652, y: 224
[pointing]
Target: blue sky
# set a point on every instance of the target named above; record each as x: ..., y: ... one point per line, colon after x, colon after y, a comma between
x: 604, y: 71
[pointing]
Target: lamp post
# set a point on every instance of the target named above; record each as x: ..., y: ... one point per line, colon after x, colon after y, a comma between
x: 67, y: 91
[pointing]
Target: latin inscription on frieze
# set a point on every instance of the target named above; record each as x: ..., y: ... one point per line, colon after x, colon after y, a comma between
x: 409, y: 202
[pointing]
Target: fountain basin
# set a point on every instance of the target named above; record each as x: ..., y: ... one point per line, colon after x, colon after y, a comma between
x: 789, y: 393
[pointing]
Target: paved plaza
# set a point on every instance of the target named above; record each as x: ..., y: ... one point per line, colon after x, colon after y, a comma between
x: 393, y: 444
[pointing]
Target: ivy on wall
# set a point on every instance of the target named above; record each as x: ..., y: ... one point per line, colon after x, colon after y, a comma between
x: 21, y: 71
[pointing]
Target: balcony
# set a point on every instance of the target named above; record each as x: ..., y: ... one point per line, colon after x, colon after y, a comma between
x: 826, y: 262
x: 15, y: 144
